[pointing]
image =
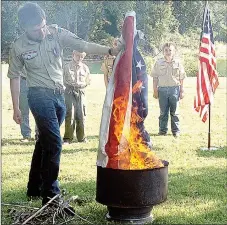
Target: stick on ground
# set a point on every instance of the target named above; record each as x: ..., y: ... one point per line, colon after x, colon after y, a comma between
x: 36, y: 213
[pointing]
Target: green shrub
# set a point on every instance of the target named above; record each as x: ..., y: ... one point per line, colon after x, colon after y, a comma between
x: 191, y: 66
x: 190, y: 63
x: 149, y: 60
x: 222, y: 67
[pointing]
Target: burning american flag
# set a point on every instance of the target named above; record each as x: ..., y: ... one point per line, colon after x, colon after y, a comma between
x: 123, y: 141
x: 207, y: 77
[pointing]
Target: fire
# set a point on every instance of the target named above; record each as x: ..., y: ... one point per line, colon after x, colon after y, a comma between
x: 133, y: 151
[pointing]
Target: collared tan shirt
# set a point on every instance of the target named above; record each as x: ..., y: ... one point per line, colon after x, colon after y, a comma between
x: 76, y: 75
x: 43, y: 60
x: 168, y: 74
x: 107, y: 66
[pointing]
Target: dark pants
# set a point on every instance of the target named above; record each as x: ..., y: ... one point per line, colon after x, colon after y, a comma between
x: 48, y: 109
x: 169, y: 102
x: 77, y: 100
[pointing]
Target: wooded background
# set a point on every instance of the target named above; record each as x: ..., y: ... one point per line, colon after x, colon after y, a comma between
x: 100, y: 22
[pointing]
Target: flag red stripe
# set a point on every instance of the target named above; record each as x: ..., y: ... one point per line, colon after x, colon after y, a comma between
x: 204, y: 87
x: 204, y: 50
x: 205, y: 40
x: 207, y: 77
x: 124, y: 67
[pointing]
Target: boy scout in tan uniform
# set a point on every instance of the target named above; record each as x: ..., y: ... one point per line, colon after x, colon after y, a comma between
x: 76, y: 79
x: 40, y: 50
x: 168, y: 76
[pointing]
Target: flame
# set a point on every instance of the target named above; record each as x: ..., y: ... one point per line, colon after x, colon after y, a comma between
x: 133, y: 152
x: 137, y: 87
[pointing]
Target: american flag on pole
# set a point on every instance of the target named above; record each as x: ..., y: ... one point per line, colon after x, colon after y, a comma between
x: 123, y: 141
x: 207, y: 76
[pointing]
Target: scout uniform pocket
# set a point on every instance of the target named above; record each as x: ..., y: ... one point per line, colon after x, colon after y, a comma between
x: 32, y: 59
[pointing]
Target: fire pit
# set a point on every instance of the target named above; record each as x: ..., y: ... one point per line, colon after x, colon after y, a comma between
x: 131, y: 194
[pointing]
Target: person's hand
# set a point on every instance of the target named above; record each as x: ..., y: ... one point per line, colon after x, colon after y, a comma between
x: 17, y: 116
x: 117, y: 49
x: 114, y: 51
x: 181, y: 94
x: 77, y: 86
x: 155, y: 94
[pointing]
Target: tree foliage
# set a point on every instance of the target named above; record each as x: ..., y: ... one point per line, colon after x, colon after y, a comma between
x: 100, y: 21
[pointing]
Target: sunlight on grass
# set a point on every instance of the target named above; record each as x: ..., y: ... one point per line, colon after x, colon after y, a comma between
x: 197, y: 179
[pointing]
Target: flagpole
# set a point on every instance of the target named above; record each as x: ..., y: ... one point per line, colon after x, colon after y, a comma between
x: 206, y: 5
x: 209, y: 128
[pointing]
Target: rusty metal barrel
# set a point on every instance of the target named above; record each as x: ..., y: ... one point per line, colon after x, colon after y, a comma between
x: 131, y: 194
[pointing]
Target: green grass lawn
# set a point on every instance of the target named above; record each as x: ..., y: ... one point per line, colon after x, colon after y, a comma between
x: 197, y: 179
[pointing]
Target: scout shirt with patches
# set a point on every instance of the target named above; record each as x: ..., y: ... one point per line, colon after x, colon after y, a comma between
x: 168, y: 74
x: 43, y: 60
x: 107, y: 66
x: 76, y: 75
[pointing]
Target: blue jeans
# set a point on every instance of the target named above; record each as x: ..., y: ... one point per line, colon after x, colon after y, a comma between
x: 169, y: 102
x: 48, y: 109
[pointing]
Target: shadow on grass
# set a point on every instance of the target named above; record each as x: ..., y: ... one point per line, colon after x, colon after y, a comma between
x: 219, y: 153
x: 6, y: 141
x: 78, y: 149
x: 93, y: 137
x: 157, y: 135
x: 64, y: 151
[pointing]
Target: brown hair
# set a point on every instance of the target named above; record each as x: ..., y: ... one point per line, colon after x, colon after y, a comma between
x: 168, y: 44
x: 78, y: 53
x: 30, y: 14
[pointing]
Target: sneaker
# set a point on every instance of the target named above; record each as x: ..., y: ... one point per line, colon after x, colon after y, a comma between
x: 85, y: 140
x: 60, y: 202
x: 162, y: 134
x: 66, y: 142
x: 177, y: 135
x: 26, y: 139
